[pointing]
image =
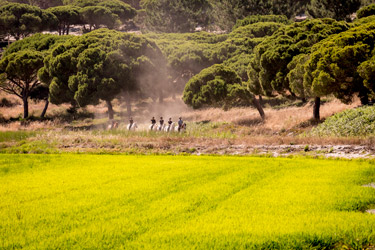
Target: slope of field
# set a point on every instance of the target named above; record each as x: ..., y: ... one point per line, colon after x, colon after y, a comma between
x: 184, y: 202
x: 351, y: 122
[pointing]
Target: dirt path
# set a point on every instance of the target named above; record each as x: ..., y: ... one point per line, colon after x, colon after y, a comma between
x: 334, y: 151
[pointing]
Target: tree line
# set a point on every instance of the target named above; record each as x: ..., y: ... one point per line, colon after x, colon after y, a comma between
x: 311, y: 59
x: 264, y: 55
x: 19, y: 20
x: 158, y: 15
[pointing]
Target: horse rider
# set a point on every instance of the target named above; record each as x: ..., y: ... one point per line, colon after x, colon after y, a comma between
x: 180, y: 123
x: 131, y: 121
x: 170, y: 121
x: 153, y: 122
x: 161, y: 123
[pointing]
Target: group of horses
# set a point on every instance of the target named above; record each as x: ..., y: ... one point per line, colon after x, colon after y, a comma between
x: 167, y: 127
x: 153, y: 127
x: 162, y: 128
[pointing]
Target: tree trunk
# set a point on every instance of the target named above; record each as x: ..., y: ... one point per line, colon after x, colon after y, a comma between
x: 364, y: 100
x: 45, y: 109
x: 363, y: 96
x: 260, y: 99
x: 110, y: 110
x: 259, y: 108
x: 129, y: 107
x: 316, y: 109
x: 25, y: 106
x: 67, y: 29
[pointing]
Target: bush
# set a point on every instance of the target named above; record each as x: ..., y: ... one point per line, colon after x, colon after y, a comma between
x: 6, y: 103
x: 366, y: 11
x: 259, y: 18
x: 354, y: 122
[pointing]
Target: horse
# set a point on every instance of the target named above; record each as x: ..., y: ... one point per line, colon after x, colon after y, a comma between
x: 170, y: 127
x: 112, y: 125
x: 182, y: 128
x: 161, y: 127
x: 132, y: 127
x: 153, y: 127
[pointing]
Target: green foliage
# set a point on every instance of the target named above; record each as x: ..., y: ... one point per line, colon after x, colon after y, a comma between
x: 261, y: 19
x: 110, y: 13
x: 364, y: 20
x: 189, y: 53
x: 21, y: 62
x: 43, y: 4
x: 336, y: 9
x: 82, y: 3
x: 184, y: 202
x: 269, y: 68
x: 95, y: 16
x: 9, y: 136
x: 66, y: 15
x: 226, y: 13
x: 38, y: 42
x: 101, y: 65
x: 366, y: 11
x: 122, y: 10
x: 333, y: 64
x: 366, y: 71
x: 20, y: 69
x: 295, y: 76
x: 216, y: 86
x: 241, y: 42
x: 3, y: 2
x: 21, y: 20
x: 175, y: 16
x: 353, y: 122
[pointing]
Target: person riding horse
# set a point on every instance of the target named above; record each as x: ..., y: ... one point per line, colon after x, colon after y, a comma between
x: 153, y: 122
x: 131, y: 122
x: 169, y: 127
x: 161, y: 123
x: 180, y: 123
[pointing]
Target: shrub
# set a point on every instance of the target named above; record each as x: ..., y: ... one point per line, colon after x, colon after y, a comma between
x: 354, y: 122
x: 366, y: 11
x: 6, y: 103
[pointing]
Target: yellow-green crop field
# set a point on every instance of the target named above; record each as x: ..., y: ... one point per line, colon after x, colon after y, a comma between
x: 73, y: 201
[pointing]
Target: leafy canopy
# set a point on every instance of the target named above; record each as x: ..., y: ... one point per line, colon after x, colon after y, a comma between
x: 342, y: 64
x: 268, y: 69
x: 215, y: 86
x: 21, y: 62
x: 66, y: 15
x: 21, y: 20
x: 366, y: 11
x: 175, y: 16
x: 99, y: 66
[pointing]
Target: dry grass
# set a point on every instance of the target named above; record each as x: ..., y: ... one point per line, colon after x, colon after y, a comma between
x: 280, y: 127
x: 276, y: 120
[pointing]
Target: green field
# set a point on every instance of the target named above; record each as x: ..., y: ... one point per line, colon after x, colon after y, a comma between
x: 184, y: 202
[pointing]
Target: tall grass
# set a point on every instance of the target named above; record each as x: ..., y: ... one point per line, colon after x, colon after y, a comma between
x: 165, y: 202
x: 218, y: 130
x: 15, y: 135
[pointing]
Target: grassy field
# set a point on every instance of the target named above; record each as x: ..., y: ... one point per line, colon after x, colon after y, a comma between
x: 184, y: 202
